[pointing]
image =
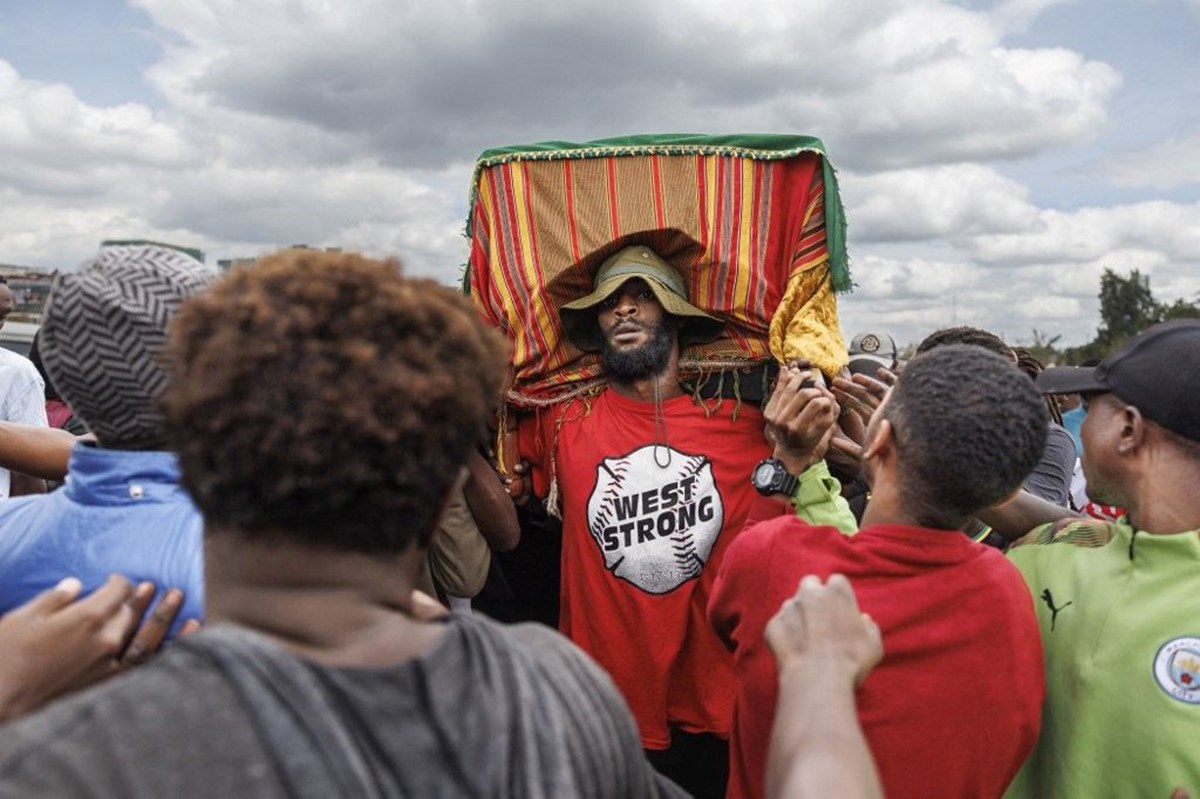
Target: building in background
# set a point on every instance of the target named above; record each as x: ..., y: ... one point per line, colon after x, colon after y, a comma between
x: 225, y: 264
x: 30, y: 287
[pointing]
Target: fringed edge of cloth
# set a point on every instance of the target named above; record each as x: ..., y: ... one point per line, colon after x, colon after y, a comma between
x: 694, y: 375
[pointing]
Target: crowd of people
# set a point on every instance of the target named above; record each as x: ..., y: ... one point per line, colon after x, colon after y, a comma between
x: 915, y: 578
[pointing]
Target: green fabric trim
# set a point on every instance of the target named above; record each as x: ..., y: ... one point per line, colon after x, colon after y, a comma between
x: 757, y: 146
x: 760, y: 145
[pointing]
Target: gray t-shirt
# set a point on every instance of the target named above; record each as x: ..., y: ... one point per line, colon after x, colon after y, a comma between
x: 1051, y: 478
x: 491, y: 711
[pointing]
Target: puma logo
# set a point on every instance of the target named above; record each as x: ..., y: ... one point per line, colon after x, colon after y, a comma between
x: 1048, y: 598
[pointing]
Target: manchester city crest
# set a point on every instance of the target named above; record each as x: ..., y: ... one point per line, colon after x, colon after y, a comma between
x: 1177, y: 669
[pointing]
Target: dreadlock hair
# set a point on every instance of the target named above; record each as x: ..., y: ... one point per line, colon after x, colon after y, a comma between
x: 1033, y: 367
x: 966, y: 335
x: 969, y: 429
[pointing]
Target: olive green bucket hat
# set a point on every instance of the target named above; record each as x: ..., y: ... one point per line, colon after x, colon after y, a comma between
x: 637, y: 262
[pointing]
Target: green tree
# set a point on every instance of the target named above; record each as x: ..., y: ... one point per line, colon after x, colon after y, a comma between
x: 1180, y: 309
x: 1043, y: 346
x: 1126, y: 307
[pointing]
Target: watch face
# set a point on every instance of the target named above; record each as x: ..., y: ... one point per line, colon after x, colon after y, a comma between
x: 764, y: 473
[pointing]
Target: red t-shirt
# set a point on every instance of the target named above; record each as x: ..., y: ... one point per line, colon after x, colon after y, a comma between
x: 645, y: 526
x: 955, y: 706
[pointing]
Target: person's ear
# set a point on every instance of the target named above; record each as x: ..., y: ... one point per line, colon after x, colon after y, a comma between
x: 883, y: 442
x: 1133, y: 430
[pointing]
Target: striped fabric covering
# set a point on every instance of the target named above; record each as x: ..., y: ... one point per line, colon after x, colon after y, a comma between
x: 765, y: 209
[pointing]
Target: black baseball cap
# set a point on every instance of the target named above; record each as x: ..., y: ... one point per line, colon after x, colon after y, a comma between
x: 1157, y: 371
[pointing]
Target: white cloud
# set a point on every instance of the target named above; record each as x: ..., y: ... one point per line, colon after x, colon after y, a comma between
x: 1090, y: 234
x: 1046, y: 275
x: 935, y: 203
x: 1017, y: 15
x: 53, y: 143
x: 1165, y: 165
x: 895, y: 83
x: 355, y: 124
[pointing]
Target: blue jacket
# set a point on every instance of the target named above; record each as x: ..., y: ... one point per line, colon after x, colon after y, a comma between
x: 119, y: 512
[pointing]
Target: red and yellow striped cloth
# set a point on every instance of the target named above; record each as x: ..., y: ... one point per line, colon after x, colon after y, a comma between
x: 761, y: 212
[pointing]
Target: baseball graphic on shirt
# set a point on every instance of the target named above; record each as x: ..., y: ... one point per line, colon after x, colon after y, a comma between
x: 655, y: 515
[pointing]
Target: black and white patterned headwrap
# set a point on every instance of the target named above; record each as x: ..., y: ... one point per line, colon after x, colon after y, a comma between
x: 104, y: 337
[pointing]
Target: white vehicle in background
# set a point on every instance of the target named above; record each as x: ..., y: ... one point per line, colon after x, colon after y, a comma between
x: 18, y: 336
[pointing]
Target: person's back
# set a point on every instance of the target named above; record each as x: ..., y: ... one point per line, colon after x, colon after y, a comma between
x: 490, y: 711
x: 323, y: 672
x: 953, y: 709
x: 120, y: 512
x: 103, y: 341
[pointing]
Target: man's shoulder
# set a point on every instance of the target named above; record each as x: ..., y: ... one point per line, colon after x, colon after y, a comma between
x: 174, y: 696
x: 540, y: 647
x: 15, y: 360
x: 47, y: 532
x: 13, y: 365
x: 998, y: 576
x: 758, y: 546
x: 1068, y: 547
x: 558, y: 665
x: 26, y: 521
x: 21, y: 390
x: 26, y: 507
x: 175, y: 726
x: 1073, y: 531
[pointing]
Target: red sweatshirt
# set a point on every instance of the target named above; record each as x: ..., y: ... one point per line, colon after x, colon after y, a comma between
x: 955, y: 706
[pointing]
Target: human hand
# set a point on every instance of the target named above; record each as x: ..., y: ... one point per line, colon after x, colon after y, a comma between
x: 54, y: 644
x: 845, y: 452
x: 800, y: 417
x: 822, y: 625
x: 862, y: 394
x: 149, y: 636
x: 516, y: 483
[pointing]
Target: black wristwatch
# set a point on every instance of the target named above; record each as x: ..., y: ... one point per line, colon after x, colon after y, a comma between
x: 771, y: 478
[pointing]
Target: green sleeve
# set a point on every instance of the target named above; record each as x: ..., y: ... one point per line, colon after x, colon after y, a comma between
x: 819, y: 500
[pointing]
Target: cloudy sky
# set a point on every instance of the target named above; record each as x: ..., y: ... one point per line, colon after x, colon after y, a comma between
x: 995, y: 155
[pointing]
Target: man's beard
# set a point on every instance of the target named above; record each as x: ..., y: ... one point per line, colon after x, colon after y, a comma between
x: 649, y: 359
